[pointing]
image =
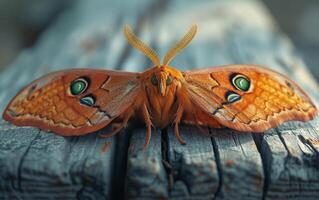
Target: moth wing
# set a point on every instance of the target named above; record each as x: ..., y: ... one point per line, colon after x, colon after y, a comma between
x: 248, y: 97
x: 201, y: 118
x: 74, y: 102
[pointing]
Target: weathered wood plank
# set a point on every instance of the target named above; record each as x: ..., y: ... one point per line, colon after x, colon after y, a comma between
x: 146, y: 176
x: 193, y: 169
x: 241, y: 165
x: 35, y: 164
x: 291, y: 159
x: 227, y: 165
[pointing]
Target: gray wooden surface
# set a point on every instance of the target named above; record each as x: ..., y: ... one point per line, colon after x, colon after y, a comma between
x: 217, y: 164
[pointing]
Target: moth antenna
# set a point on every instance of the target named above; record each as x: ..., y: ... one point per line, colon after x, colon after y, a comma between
x: 138, y: 44
x: 180, y: 45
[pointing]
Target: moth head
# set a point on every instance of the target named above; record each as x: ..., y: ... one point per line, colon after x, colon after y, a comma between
x: 150, y: 53
x: 161, y: 79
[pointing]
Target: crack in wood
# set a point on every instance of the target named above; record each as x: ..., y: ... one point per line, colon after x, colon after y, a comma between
x: 258, y: 139
x: 218, y: 193
x: 22, y: 160
x: 166, y: 163
x: 119, y: 165
x: 283, y: 141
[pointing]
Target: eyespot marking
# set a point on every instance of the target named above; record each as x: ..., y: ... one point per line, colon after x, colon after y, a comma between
x: 88, y: 100
x: 232, y: 97
x: 240, y: 82
x: 79, y: 86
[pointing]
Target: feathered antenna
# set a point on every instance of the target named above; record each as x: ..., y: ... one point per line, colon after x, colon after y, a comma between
x: 138, y: 44
x: 180, y: 45
x: 150, y: 53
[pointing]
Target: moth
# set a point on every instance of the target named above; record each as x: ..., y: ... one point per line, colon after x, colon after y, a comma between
x: 247, y: 98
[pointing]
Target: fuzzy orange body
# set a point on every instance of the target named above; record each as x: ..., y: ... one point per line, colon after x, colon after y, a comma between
x: 161, y: 99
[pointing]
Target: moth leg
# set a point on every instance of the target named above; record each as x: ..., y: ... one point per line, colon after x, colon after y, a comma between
x: 148, y: 123
x: 177, y: 120
x: 118, y: 126
x: 113, y: 132
x: 115, y: 129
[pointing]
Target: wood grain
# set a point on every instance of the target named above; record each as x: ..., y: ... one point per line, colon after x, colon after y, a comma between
x: 279, y: 164
x: 36, y: 164
x: 146, y: 177
x: 193, y: 170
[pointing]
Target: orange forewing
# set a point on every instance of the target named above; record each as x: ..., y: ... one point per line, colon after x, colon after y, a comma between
x: 270, y: 100
x: 47, y: 103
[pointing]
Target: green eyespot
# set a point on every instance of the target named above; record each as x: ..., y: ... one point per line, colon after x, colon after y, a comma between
x: 78, y: 86
x: 169, y: 80
x: 232, y: 97
x: 241, y: 82
x: 154, y: 80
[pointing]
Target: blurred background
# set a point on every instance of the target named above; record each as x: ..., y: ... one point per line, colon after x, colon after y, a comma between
x: 22, y: 22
